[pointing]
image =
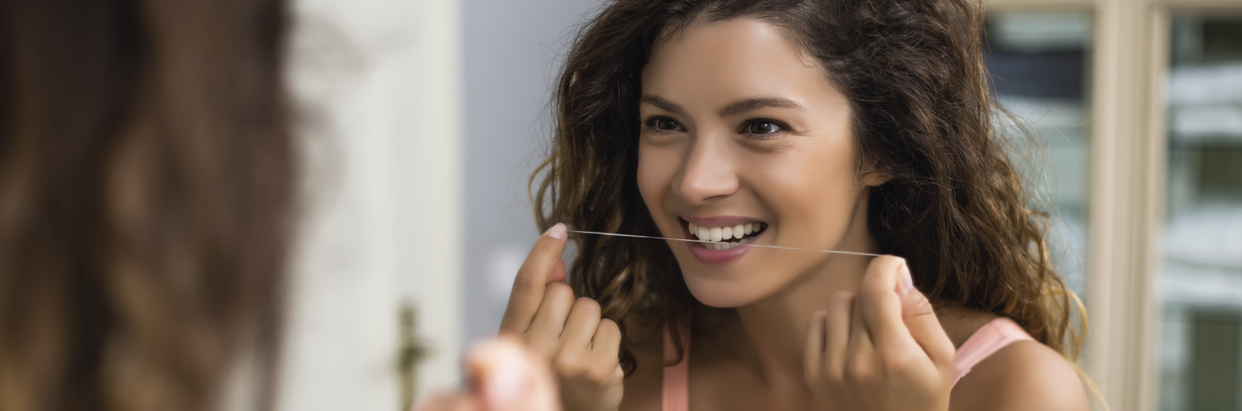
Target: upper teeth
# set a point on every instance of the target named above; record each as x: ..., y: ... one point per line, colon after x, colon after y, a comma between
x: 723, y: 233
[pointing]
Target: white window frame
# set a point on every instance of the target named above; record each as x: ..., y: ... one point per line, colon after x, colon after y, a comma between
x: 1129, y: 151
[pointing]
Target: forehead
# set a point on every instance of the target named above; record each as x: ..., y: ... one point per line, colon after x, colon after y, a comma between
x: 729, y: 59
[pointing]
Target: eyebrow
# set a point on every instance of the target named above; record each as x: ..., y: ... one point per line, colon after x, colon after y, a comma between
x: 758, y: 103
x: 729, y: 110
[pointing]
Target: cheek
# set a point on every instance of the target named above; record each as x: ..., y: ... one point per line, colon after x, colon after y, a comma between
x: 816, y: 188
x: 656, y: 170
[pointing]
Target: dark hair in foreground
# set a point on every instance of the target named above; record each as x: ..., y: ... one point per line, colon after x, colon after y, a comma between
x: 146, y: 177
x: 954, y: 208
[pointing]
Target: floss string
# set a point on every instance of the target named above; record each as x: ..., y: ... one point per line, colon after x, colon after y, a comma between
x: 717, y: 242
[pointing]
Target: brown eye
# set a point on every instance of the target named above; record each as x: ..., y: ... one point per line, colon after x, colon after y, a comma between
x: 762, y: 127
x: 665, y: 124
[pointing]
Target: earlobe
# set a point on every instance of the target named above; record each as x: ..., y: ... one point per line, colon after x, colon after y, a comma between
x: 873, y: 178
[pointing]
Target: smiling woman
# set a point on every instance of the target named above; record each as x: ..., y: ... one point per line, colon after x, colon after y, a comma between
x: 761, y: 138
x: 860, y: 126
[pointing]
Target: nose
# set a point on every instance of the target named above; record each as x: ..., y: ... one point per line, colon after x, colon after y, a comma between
x: 708, y: 172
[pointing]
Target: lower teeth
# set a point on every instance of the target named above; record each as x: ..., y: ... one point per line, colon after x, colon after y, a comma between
x: 721, y: 246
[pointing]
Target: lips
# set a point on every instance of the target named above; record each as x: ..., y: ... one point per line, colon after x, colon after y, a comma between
x: 724, y: 236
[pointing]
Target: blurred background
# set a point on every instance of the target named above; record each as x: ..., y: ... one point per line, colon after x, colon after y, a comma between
x: 424, y: 120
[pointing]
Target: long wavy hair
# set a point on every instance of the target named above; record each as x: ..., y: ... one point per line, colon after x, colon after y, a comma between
x: 955, y: 206
x: 146, y: 177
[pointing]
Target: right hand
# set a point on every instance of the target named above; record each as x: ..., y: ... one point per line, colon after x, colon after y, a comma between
x: 582, y: 347
x: 504, y: 376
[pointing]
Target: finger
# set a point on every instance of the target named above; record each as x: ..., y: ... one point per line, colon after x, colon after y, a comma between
x: 814, y: 348
x: 605, y: 349
x: 558, y: 273
x: 545, y: 330
x: 881, y: 304
x: 531, y: 279
x: 837, y: 325
x: 920, y: 319
x: 860, y: 360
x: 607, y: 339
x: 581, y: 325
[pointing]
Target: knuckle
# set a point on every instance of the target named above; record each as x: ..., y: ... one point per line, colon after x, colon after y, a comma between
x: 921, y: 303
x: 897, y: 365
x: 859, y: 371
x: 567, y: 364
x: 559, y: 291
x: 587, y: 305
x: 524, y: 281
x: 547, y: 347
x: 600, y: 373
x: 609, y: 332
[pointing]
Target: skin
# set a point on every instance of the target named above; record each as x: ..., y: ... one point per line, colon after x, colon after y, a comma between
x: 738, y: 122
x: 504, y: 375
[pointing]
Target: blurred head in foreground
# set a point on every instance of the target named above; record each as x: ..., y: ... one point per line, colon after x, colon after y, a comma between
x: 146, y: 177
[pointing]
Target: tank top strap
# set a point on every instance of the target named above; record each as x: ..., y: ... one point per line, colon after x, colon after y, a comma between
x: 675, y: 395
x: 987, y: 340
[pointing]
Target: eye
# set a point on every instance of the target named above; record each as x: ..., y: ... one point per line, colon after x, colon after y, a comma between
x: 664, y: 124
x: 762, y: 127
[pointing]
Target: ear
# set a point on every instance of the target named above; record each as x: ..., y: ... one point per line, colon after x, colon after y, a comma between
x: 872, y: 177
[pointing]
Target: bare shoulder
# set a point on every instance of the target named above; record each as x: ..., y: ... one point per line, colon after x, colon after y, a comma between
x: 1025, y: 375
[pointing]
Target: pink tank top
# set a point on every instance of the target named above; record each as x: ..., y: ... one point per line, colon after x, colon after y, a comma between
x: 989, y: 339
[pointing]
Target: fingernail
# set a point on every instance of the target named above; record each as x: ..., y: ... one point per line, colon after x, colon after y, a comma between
x: 907, y: 283
x: 557, y: 231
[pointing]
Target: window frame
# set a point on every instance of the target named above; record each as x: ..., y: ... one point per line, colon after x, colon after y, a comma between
x: 1129, y: 150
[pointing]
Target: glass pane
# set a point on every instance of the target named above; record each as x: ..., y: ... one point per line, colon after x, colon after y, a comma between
x: 1201, y: 283
x: 1038, y: 63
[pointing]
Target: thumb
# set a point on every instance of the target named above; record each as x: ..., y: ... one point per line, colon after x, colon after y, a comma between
x: 920, y: 318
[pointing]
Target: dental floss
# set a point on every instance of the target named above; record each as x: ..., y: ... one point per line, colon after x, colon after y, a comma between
x: 717, y: 242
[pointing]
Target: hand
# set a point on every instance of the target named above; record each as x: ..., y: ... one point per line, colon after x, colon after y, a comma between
x: 582, y: 347
x: 880, y: 350
x: 504, y: 376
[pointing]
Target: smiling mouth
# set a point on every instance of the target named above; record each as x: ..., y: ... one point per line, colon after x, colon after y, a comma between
x: 726, y: 237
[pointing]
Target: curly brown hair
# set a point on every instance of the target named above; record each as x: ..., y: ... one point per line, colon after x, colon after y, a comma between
x: 955, y: 206
x: 147, y: 179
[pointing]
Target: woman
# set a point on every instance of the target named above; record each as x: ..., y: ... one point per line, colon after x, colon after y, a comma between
x: 850, y: 125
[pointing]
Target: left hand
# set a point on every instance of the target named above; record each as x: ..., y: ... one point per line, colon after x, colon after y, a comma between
x: 882, y: 349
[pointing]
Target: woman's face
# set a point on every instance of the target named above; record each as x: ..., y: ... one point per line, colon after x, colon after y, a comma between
x: 744, y: 136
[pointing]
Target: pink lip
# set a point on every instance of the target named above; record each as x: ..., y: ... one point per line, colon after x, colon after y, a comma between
x: 709, y: 256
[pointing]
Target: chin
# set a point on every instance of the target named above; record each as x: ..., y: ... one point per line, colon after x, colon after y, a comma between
x: 721, y: 291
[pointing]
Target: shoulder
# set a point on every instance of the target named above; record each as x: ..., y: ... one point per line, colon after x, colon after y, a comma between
x: 1025, y: 375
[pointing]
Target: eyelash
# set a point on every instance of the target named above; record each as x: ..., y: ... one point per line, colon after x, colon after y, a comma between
x: 744, y: 129
x: 651, y: 124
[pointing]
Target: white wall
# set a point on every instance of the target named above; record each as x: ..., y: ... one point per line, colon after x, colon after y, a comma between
x: 423, y: 120
x: 381, y: 86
